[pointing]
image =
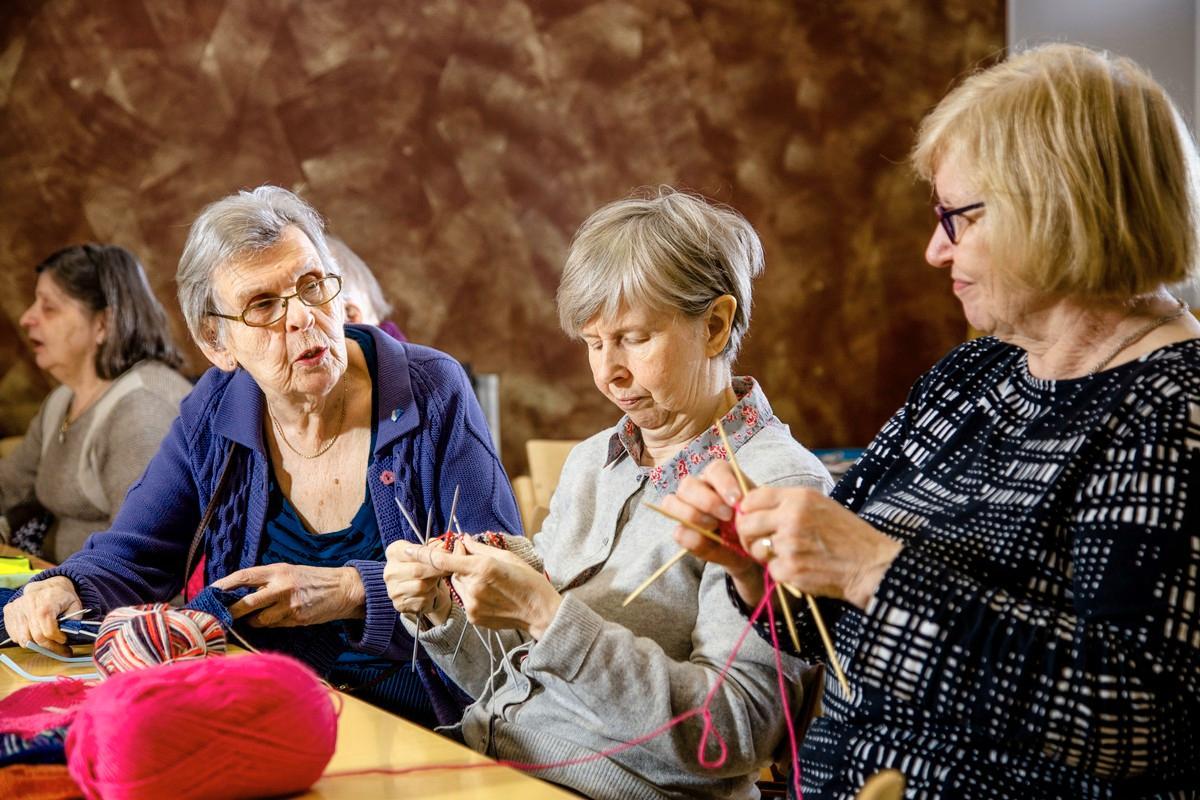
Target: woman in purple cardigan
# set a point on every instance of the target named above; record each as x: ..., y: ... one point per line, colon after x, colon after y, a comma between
x: 297, y: 451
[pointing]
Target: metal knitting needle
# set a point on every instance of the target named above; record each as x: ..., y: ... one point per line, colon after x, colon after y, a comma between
x: 76, y: 613
x: 826, y: 639
x: 458, y: 529
x: 411, y: 522
x: 454, y: 503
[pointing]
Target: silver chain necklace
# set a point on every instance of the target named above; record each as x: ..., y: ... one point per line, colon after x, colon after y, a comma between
x: 1139, y: 334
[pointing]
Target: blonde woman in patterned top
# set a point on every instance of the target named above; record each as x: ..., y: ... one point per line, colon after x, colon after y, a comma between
x: 1013, y: 564
x: 658, y: 290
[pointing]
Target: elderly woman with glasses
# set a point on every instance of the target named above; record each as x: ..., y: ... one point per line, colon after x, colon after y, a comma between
x: 291, y: 466
x: 563, y: 665
x: 1013, y: 564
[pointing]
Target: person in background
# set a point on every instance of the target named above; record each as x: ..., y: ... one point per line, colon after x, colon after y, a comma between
x: 96, y: 328
x: 1013, y: 564
x: 288, y: 466
x: 658, y: 290
x: 364, y: 301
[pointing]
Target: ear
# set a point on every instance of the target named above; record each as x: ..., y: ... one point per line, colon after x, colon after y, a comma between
x: 210, y: 344
x: 103, y: 322
x: 718, y: 323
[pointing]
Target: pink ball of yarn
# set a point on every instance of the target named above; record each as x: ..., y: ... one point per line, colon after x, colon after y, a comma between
x: 246, y: 726
x: 134, y: 637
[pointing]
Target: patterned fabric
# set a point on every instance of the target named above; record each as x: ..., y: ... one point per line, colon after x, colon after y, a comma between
x: 750, y: 415
x: 1038, y: 636
x: 40, y: 706
x: 47, y: 747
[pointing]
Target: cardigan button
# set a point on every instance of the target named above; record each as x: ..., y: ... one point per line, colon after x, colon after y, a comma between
x: 396, y: 412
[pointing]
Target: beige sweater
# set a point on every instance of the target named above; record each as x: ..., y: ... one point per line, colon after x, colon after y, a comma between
x: 81, y: 476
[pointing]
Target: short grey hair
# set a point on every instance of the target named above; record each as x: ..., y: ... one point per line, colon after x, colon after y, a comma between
x: 233, y: 227
x: 358, y: 276
x: 666, y: 249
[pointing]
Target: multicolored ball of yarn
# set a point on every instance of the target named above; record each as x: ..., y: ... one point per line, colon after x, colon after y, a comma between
x: 135, y: 637
x: 258, y: 725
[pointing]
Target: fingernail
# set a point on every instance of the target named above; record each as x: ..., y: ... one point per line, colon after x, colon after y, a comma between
x: 410, y: 551
x: 732, y: 499
x: 725, y: 513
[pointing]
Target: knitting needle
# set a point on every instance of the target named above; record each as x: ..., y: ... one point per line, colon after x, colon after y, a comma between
x: 707, y: 534
x: 458, y: 529
x: 745, y: 487
x: 425, y: 540
x: 76, y: 613
x: 655, y: 576
x: 834, y: 661
x: 454, y: 503
x: 411, y: 522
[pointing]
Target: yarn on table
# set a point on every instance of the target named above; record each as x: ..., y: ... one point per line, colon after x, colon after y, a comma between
x: 134, y: 637
x: 222, y: 728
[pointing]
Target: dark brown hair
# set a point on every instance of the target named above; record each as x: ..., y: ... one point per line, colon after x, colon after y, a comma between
x: 107, y: 278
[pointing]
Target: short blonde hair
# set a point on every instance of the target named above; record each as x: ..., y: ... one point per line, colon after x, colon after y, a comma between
x: 1088, y: 172
x: 669, y: 250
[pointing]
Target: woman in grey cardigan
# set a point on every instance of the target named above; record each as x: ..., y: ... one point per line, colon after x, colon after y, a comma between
x: 96, y: 328
x: 659, y: 291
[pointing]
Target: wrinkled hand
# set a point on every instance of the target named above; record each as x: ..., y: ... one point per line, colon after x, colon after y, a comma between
x: 290, y: 595
x: 497, y: 588
x: 414, y: 586
x: 33, y: 617
x: 707, y: 501
x: 819, y: 546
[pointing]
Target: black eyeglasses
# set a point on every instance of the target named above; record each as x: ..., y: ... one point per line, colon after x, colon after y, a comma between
x: 946, y: 217
x: 269, y: 310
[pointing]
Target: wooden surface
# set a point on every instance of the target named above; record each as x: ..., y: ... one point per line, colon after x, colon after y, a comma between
x: 368, y: 738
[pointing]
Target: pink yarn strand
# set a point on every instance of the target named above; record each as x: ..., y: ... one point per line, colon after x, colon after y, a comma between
x: 709, y: 731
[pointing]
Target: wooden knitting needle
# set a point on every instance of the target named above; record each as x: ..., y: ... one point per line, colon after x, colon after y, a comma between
x: 745, y: 487
x: 834, y: 661
x: 658, y: 573
x: 683, y: 551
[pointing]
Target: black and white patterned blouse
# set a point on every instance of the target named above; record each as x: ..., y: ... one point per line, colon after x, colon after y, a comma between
x: 1038, y: 636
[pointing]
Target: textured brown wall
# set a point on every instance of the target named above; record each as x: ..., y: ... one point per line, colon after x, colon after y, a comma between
x: 457, y: 144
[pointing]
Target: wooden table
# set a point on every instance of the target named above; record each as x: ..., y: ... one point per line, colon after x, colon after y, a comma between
x: 16, y: 552
x: 367, y: 738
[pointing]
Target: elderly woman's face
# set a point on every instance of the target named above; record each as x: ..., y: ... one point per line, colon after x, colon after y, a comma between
x: 651, y: 365
x: 63, y: 333
x: 304, y: 353
x: 990, y: 303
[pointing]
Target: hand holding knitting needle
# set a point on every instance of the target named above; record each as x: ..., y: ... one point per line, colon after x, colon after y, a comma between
x: 33, y: 617
x: 708, y: 503
x: 498, y: 589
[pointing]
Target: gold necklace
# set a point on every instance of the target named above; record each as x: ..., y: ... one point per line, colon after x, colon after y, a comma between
x: 1141, y: 333
x: 336, y: 434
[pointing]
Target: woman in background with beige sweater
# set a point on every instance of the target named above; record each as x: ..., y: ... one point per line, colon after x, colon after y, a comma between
x: 96, y: 328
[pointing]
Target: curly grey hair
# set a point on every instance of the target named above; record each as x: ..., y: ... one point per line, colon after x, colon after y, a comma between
x: 233, y: 227
x: 671, y: 250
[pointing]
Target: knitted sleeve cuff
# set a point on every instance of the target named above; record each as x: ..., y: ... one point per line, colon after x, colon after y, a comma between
x: 565, y: 644
x: 87, y: 595
x: 380, y: 623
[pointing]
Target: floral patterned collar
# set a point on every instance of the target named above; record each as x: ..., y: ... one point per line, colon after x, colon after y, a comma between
x: 751, y: 414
